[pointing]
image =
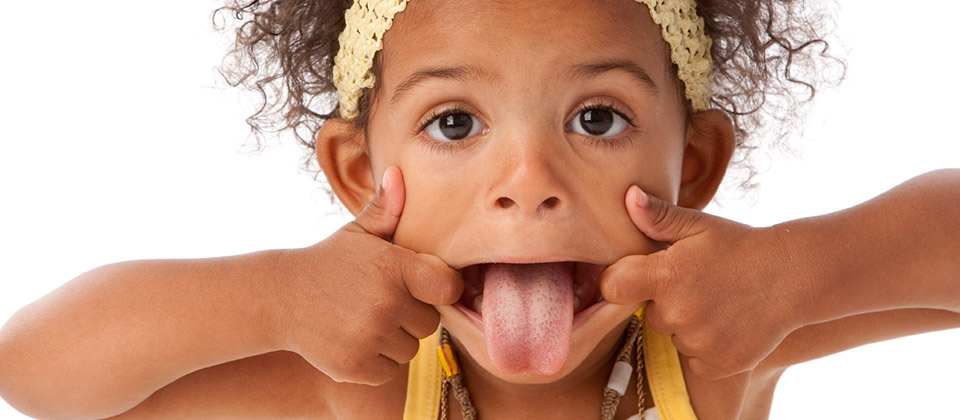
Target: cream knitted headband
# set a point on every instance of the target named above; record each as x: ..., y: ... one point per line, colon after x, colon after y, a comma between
x: 368, y: 20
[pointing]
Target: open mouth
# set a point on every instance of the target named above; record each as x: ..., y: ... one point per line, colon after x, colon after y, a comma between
x: 528, y: 311
x: 585, y: 279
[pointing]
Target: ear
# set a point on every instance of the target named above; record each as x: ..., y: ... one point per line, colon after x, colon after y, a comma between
x: 710, y: 141
x: 342, y: 154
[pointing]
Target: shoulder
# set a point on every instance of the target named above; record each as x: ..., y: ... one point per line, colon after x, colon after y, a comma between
x: 278, y: 385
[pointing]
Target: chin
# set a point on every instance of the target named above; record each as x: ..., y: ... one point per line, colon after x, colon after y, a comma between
x: 587, y: 323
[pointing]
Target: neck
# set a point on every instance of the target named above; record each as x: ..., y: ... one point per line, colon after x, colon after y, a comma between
x: 577, y: 395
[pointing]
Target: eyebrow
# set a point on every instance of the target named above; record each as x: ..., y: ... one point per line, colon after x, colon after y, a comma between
x: 585, y: 71
x: 446, y: 73
x: 580, y: 71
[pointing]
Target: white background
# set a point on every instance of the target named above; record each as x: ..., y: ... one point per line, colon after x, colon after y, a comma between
x: 119, y: 141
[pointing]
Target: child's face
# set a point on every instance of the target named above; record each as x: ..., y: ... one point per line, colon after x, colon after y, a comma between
x: 526, y: 183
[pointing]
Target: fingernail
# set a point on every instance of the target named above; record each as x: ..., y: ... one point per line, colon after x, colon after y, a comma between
x: 384, y: 183
x: 642, y: 198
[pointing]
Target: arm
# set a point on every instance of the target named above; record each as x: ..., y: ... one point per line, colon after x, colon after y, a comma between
x: 826, y: 338
x: 103, y: 342
x: 278, y: 385
x: 353, y: 306
x: 888, y: 268
x: 729, y: 294
x: 898, y: 250
x: 274, y: 386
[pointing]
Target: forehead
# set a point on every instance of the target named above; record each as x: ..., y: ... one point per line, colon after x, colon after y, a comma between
x: 536, y: 38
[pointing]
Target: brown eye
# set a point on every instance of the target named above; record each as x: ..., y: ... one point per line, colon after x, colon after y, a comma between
x: 598, y: 122
x: 454, y: 126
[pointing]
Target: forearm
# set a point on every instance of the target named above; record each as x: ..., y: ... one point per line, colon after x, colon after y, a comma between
x: 277, y: 385
x: 884, y: 269
x: 826, y: 338
x: 898, y: 250
x: 105, y: 341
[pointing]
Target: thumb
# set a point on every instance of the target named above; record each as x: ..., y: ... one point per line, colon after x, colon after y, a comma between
x: 662, y: 221
x: 382, y: 213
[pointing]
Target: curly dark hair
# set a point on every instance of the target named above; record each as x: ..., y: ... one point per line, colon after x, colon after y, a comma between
x: 769, y: 57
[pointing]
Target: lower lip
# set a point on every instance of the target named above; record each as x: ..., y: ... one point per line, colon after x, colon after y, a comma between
x: 578, y: 319
x: 470, y: 314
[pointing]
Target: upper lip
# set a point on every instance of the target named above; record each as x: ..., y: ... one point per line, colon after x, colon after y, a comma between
x: 514, y: 259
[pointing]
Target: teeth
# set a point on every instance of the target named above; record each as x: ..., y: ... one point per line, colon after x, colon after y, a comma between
x: 578, y: 289
x: 478, y: 304
x: 474, y: 287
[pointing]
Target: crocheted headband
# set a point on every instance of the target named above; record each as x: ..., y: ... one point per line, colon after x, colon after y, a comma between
x: 368, y: 20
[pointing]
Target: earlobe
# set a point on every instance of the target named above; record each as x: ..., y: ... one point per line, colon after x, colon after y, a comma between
x: 710, y: 142
x: 343, y: 157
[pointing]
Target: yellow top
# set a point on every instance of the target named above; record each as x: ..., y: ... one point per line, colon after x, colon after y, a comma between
x: 660, y: 359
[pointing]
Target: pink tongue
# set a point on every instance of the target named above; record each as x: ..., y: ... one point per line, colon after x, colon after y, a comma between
x: 527, y: 316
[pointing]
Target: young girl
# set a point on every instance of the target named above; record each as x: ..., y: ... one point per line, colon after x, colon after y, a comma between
x: 429, y: 207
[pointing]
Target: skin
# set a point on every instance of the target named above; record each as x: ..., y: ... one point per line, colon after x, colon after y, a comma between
x: 525, y: 156
x: 245, y: 337
x: 853, y: 282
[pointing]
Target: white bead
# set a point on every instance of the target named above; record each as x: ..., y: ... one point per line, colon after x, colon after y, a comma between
x: 651, y: 414
x: 620, y: 377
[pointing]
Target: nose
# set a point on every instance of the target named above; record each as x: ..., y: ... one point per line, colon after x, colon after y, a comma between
x: 551, y: 202
x: 530, y: 185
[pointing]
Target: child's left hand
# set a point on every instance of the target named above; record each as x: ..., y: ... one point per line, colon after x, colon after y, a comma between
x: 719, y: 290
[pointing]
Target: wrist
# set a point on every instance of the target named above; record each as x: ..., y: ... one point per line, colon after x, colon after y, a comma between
x: 803, y: 269
x: 838, y: 271
x: 275, y: 295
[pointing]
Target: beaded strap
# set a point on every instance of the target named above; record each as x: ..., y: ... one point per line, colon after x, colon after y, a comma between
x: 368, y: 20
x: 616, y: 385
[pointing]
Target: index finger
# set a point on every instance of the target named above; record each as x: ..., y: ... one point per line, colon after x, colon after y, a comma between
x: 633, y: 279
x: 430, y: 280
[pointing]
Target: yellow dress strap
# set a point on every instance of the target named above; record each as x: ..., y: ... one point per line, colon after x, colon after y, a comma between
x: 424, y: 382
x: 665, y: 376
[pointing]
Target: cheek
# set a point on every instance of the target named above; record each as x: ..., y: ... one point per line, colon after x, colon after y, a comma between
x: 433, y: 190
x: 431, y: 215
x: 605, y: 198
x: 438, y: 206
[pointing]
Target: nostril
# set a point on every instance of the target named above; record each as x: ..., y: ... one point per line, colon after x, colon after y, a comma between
x: 550, y: 203
x: 505, y: 202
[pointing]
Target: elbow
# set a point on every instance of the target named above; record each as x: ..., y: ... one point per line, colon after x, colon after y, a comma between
x: 18, y: 386
x: 31, y: 389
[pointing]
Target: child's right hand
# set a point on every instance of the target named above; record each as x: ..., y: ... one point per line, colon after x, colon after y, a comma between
x: 358, y: 304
